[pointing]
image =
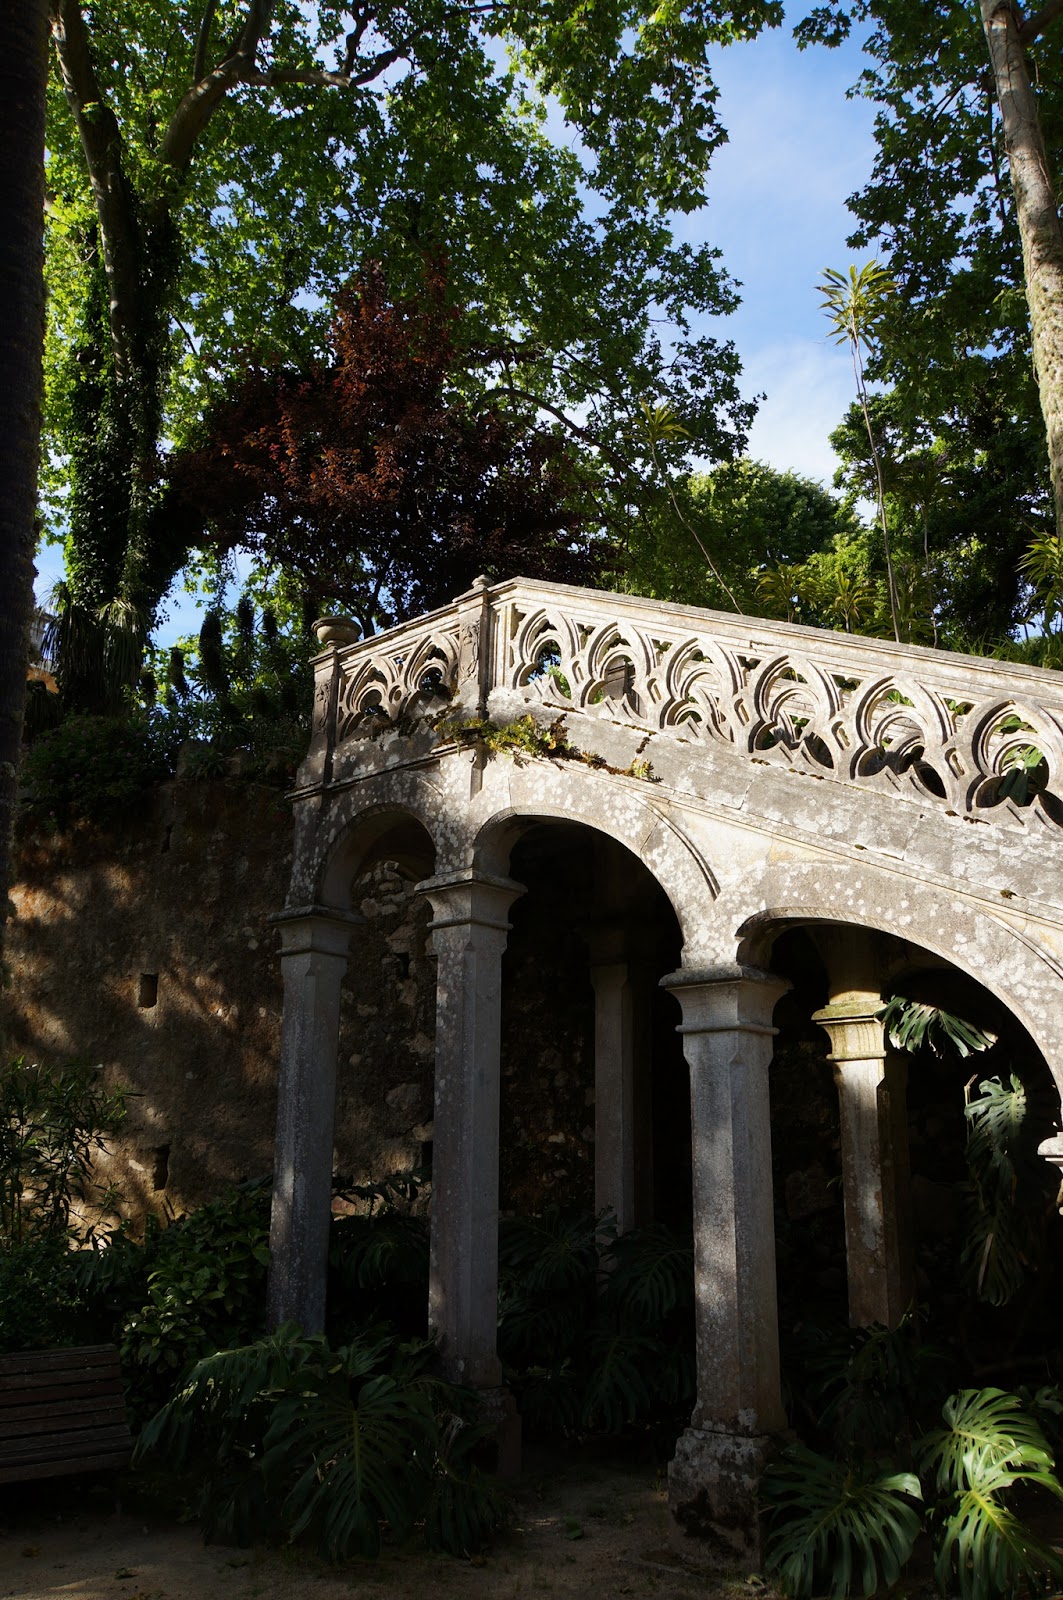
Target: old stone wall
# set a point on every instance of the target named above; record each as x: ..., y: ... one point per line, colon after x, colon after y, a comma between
x: 148, y: 949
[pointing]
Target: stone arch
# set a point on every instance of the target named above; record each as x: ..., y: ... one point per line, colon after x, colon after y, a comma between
x: 351, y: 825
x: 1011, y: 963
x: 609, y: 806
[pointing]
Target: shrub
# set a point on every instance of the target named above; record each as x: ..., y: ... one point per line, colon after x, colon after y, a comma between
x: 852, y: 1522
x: 93, y: 769
x: 51, y: 1125
x: 196, y: 1286
x: 293, y: 1437
x: 596, y: 1332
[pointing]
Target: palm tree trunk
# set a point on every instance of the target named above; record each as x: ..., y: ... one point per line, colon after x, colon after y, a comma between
x: 23, y: 77
x: 1040, y: 228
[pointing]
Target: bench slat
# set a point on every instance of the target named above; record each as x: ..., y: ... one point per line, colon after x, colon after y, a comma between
x: 63, y: 1469
x: 50, y: 1446
x: 88, y: 1355
x: 61, y: 1412
x: 37, y: 1421
x: 57, y: 1393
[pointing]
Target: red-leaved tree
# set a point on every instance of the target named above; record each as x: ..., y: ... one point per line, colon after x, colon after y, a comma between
x: 375, y: 481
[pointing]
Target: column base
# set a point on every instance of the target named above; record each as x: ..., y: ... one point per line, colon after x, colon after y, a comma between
x: 714, y: 1498
x: 499, y: 1407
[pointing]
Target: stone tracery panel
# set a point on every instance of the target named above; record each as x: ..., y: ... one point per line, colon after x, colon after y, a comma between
x: 965, y: 736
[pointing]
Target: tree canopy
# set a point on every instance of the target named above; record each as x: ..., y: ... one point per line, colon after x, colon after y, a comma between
x: 218, y: 167
x: 374, y: 481
x: 955, y: 343
x: 725, y: 529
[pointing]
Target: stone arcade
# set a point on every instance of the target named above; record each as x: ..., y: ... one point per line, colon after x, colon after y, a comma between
x: 768, y: 777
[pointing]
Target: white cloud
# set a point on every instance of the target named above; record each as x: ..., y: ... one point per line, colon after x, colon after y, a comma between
x: 808, y: 387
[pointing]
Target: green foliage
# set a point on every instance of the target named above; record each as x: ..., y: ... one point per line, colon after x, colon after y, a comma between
x: 910, y: 1025
x: 595, y: 1331
x: 52, y: 1125
x: 527, y: 738
x: 836, y: 1529
x: 855, y: 308
x: 195, y: 1286
x: 1043, y: 565
x: 432, y: 127
x: 965, y: 466
x: 296, y: 1438
x: 378, y: 1257
x: 1006, y: 1193
x: 93, y: 769
x: 867, y: 1388
x: 852, y: 1523
x: 711, y: 544
x: 988, y: 1448
x: 854, y: 305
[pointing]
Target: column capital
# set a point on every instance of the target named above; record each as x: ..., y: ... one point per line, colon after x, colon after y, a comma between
x: 726, y: 998
x: 854, y: 1028
x: 469, y: 896
x: 321, y: 930
x: 1051, y: 1150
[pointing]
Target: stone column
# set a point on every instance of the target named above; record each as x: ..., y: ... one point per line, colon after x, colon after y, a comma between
x: 614, y: 1091
x: 469, y: 930
x: 314, y: 945
x: 727, y: 1038
x: 876, y: 1182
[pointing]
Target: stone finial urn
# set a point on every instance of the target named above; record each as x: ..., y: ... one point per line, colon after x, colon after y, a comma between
x: 337, y: 630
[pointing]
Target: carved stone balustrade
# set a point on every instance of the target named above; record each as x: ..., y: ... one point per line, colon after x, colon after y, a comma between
x: 962, y: 735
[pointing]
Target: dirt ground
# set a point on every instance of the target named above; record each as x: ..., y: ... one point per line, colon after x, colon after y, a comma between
x: 581, y: 1525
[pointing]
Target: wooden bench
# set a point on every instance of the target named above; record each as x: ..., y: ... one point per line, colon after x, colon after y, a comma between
x: 62, y: 1411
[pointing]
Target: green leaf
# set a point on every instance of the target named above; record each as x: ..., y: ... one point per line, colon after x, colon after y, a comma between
x: 834, y: 1529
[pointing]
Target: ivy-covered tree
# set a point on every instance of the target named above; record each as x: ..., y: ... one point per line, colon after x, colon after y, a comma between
x: 23, y: 45
x: 217, y: 166
x: 374, y: 481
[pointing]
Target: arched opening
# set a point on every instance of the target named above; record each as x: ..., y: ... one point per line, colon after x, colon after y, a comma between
x: 591, y: 938
x: 387, y: 1030
x: 979, y: 1243
x: 594, y: 1143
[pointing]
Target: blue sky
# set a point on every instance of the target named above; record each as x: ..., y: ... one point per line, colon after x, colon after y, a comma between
x: 776, y: 208
x: 777, y: 191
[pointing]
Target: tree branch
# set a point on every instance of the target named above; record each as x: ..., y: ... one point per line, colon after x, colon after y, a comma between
x: 199, y: 62
x: 201, y: 101
x: 1034, y: 26
x: 101, y: 141
x: 321, y: 77
x: 574, y: 427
